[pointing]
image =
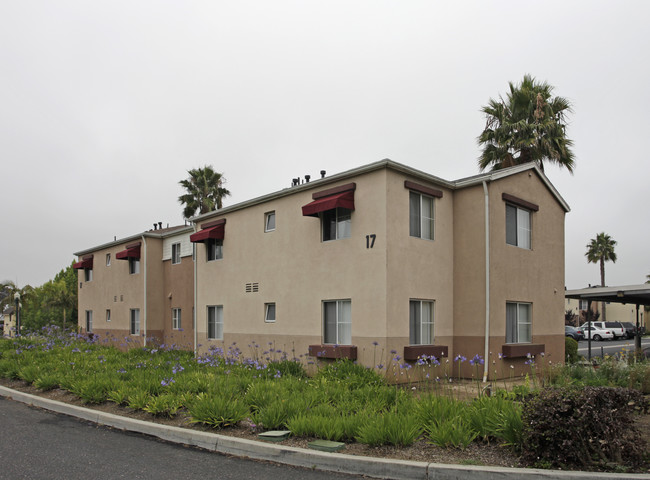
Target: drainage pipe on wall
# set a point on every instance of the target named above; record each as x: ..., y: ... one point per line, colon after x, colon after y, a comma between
x: 486, y: 355
x: 195, y: 296
x: 144, y: 267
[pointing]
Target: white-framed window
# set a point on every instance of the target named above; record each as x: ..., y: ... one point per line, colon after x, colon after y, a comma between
x: 269, y: 312
x: 108, y: 315
x: 135, y: 321
x: 337, y: 322
x: 134, y: 266
x: 269, y: 221
x: 519, y: 326
x: 176, y: 253
x: 421, y: 216
x: 518, y: 230
x: 89, y: 320
x: 88, y: 274
x: 421, y: 322
x: 336, y: 224
x: 214, y: 249
x: 584, y: 304
x: 215, y: 322
x: 108, y: 259
x: 176, y: 318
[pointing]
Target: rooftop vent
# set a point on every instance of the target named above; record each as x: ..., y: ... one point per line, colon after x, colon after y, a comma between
x: 307, y: 177
x: 322, y: 173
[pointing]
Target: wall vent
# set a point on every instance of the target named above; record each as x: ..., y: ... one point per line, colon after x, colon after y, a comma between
x: 252, y: 287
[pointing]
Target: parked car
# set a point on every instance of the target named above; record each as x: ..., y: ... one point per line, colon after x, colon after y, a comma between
x: 597, y: 333
x: 616, y: 328
x: 574, y: 333
x: 630, y: 329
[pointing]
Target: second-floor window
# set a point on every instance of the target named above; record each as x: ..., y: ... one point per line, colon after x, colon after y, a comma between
x: 88, y: 274
x: 134, y: 266
x: 518, y: 231
x: 269, y: 222
x: 214, y: 249
x: 421, y: 218
x: 176, y: 253
x: 337, y: 224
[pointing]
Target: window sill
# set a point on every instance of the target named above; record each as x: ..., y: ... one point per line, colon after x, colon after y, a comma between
x: 413, y: 352
x: 515, y: 350
x: 333, y: 351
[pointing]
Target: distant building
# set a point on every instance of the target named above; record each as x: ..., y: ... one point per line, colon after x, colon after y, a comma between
x: 376, y: 259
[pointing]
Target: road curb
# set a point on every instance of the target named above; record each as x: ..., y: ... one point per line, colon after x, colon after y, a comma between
x: 333, y: 462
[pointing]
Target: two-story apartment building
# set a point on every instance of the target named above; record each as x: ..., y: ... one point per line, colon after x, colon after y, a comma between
x: 385, y: 258
x: 139, y: 288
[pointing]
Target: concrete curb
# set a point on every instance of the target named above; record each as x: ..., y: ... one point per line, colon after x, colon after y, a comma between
x: 333, y: 462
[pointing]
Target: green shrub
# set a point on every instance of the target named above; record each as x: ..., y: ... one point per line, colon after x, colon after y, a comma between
x: 639, y: 377
x: 138, y: 399
x: 452, y: 432
x: 217, y: 411
x: 163, y: 405
x: 571, y: 350
x: 586, y: 427
x: 93, y: 390
x: 47, y: 381
x: 353, y: 374
x: 29, y: 373
x: 287, y: 368
x: 390, y: 429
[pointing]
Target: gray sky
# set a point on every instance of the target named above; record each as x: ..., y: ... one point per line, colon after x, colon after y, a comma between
x: 105, y: 105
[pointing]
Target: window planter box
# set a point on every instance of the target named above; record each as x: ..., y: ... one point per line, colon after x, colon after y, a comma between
x: 413, y: 352
x: 515, y: 350
x: 333, y: 351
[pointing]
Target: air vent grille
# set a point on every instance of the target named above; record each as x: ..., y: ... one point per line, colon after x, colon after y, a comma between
x: 252, y: 287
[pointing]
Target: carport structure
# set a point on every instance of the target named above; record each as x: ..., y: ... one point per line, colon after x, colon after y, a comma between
x: 634, y: 294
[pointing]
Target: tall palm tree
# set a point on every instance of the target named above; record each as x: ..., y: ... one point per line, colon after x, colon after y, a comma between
x: 601, y: 250
x: 528, y: 126
x: 205, y: 191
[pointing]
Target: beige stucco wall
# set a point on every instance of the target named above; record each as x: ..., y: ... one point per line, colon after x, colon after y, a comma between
x: 178, y: 292
x: 533, y: 276
x: 112, y: 287
x: 297, y: 271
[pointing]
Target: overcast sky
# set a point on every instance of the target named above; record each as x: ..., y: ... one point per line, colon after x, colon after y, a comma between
x: 105, y: 105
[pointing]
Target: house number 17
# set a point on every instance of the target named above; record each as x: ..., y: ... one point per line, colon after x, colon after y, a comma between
x: 370, y: 240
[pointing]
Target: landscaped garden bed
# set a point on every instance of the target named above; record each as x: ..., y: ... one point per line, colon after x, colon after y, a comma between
x: 430, y: 417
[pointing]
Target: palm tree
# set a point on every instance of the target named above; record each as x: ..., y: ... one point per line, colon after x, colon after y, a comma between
x: 528, y: 126
x: 205, y: 191
x: 601, y: 250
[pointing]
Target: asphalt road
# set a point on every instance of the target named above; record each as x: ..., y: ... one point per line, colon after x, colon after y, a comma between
x: 37, y: 444
x: 610, y: 347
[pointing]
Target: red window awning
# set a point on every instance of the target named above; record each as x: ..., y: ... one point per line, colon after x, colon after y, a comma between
x: 330, y: 202
x: 132, y: 251
x: 86, y: 262
x: 214, y: 230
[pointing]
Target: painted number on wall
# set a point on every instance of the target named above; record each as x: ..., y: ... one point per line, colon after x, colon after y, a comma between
x: 370, y: 240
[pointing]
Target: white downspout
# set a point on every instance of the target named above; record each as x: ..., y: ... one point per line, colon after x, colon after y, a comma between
x: 144, y: 267
x: 486, y: 356
x: 195, y: 297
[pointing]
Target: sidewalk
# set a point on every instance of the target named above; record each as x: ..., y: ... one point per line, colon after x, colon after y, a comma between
x: 335, y: 462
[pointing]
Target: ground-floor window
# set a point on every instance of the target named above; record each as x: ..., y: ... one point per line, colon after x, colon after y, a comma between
x: 89, y: 320
x: 215, y: 322
x: 337, y: 319
x: 135, y: 321
x: 176, y: 318
x: 421, y: 322
x: 519, y: 322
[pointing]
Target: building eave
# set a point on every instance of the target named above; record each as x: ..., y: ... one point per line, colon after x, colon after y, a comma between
x: 182, y: 229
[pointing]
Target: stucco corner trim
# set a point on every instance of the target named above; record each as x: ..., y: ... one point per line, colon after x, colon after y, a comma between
x: 333, y: 351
